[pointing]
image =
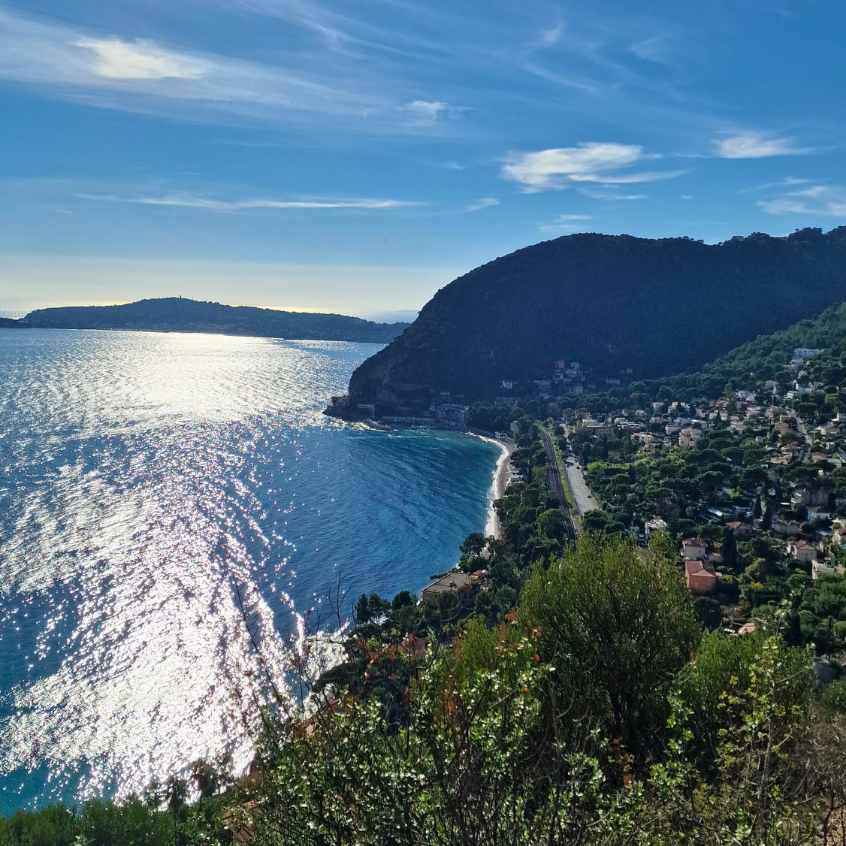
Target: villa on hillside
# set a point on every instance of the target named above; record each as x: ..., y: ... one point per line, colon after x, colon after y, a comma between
x: 700, y: 577
x: 802, y: 551
x: 693, y: 549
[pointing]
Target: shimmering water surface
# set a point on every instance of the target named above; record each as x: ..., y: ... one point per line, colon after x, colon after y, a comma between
x: 156, y: 492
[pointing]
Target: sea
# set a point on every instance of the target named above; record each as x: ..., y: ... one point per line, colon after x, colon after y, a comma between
x: 178, y: 520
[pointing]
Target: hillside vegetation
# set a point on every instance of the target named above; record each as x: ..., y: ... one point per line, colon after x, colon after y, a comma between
x: 622, y: 306
x: 596, y: 713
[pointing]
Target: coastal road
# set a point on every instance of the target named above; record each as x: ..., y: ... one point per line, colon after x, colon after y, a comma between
x: 585, y: 500
x: 579, y: 489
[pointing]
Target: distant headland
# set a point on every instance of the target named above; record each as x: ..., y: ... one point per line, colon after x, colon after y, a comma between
x: 177, y: 314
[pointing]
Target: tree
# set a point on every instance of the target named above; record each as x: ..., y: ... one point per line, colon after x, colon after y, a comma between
x: 599, y: 521
x: 725, y: 663
x: 473, y: 545
x: 728, y: 550
x: 708, y: 612
x: 362, y: 609
x: 368, y: 607
x: 616, y: 623
x: 753, y: 477
x: 403, y: 599
x: 551, y: 524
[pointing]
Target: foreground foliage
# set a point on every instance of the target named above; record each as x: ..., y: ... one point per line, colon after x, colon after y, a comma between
x: 595, y: 713
x: 135, y: 822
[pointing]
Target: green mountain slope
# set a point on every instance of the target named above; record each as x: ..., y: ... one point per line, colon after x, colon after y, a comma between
x: 181, y: 315
x: 620, y: 305
x: 764, y: 357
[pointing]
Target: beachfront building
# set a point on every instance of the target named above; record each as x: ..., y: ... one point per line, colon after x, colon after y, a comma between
x: 455, y: 582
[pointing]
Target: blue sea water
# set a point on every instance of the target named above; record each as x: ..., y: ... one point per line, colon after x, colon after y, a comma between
x: 166, y: 500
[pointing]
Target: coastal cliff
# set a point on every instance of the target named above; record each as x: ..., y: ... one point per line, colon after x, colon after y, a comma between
x: 623, y: 306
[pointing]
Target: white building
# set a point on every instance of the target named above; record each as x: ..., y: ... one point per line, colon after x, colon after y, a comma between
x: 802, y: 551
x: 693, y: 549
x: 656, y: 524
x: 825, y: 568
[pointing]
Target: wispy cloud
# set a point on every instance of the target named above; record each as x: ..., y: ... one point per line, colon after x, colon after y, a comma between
x: 814, y: 201
x: 203, y: 203
x: 151, y: 77
x: 481, y: 203
x: 562, y: 167
x: 787, y: 182
x: 566, y: 223
x: 610, y: 195
x: 426, y: 112
x: 566, y: 79
x: 551, y: 36
x: 630, y: 178
x: 654, y: 49
x: 116, y: 59
x: 341, y: 31
x: 757, y: 145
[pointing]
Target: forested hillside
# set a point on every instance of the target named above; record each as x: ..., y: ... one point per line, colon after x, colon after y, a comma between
x: 622, y: 306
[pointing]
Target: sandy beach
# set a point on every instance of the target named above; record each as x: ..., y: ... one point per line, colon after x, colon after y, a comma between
x: 501, y: 478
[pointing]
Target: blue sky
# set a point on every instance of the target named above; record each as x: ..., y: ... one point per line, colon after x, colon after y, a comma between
x: 356, y: 156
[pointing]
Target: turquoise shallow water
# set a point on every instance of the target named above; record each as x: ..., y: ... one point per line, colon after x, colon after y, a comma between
x: 156, y: 492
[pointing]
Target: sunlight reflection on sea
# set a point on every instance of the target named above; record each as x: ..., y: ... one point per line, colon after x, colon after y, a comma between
x: 156, y: 491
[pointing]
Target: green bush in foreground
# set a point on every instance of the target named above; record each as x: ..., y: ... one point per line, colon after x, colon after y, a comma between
x: 595, y: 714
x: 130, y: 823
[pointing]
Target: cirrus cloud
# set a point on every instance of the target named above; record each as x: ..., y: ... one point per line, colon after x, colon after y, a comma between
x: 481, y: 203
x: 117, y: 59
x: 148, y: 77
x: 757, y: 145
x: 203, y: 203
x: 567, y: 223
x: 425, y: 112
x: 589, y: 162
x: 814, y: 201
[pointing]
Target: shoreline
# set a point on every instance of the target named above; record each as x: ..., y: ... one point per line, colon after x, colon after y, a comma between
x: 499, y: 482
x: 501, y: 475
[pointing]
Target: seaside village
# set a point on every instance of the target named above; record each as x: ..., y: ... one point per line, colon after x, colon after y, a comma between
x: 753, y: 483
